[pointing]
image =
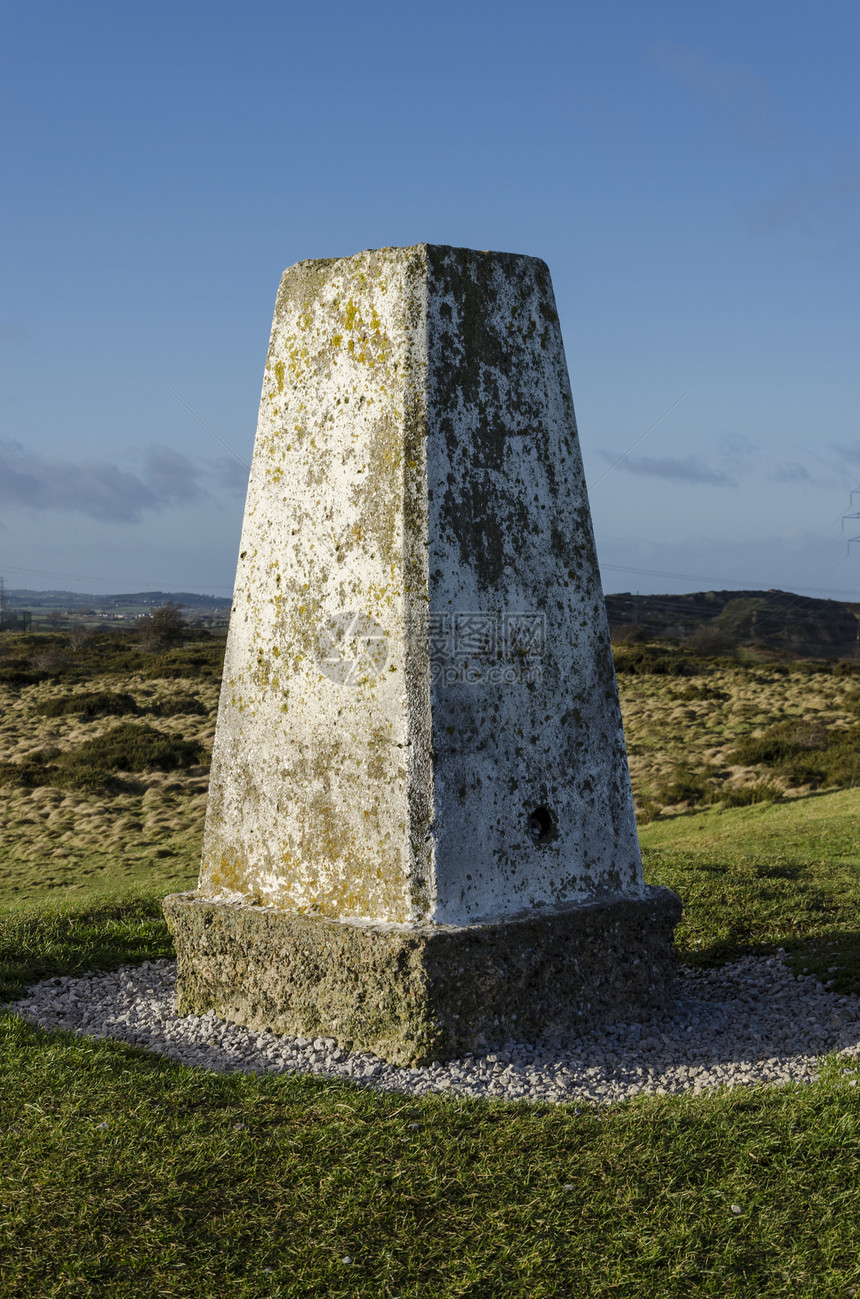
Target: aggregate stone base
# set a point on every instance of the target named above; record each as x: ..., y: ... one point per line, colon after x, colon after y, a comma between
x: 413, y: 996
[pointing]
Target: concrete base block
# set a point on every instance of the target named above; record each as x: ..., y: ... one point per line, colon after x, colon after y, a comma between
x: 414, y: 995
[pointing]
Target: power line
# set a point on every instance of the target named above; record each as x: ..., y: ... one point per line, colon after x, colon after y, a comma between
x: 640, y: 437
x: 208, y: 427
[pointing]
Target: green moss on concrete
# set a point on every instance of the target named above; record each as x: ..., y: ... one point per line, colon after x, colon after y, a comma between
x: 417, y: 995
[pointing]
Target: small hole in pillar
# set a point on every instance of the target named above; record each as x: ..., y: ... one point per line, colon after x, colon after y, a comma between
x: 541, y: 825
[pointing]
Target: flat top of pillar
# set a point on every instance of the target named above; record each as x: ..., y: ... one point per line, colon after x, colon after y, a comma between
x: 424, y: 252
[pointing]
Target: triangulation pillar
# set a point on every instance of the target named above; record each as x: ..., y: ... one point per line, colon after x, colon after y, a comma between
x: 420, y: 835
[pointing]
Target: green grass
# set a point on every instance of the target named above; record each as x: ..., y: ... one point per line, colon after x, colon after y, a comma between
x: 169, y: 865
x: 66, y: 937
x: 813, y: 828
x: 126, y: 1175
x: 123, y: 1174
x: 766, y: 876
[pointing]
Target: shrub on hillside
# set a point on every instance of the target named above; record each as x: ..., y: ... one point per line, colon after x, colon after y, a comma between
x: 178, y: 706
x: 91, y: 766
x: 52, y: 661
x: 162, y: 627
x: 648, y: 660
x: 88, y: 704
x: 107, y: 652
x: 780, y: 743
x: 686, y: 786
x: 188, y: 661
x: 16, y: 677
x: 628, y: 635
x: 703, y: 691
x: 79, y: 634
x: 712, y: 640
x: 763, y: 791
x: 804, y: 753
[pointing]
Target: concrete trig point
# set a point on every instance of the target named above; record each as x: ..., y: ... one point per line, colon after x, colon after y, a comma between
x: 420, y: 836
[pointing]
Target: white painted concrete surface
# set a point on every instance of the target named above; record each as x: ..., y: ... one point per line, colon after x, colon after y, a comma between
x: 419, y: 721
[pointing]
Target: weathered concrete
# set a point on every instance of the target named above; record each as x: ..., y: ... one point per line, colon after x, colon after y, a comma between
x: 412, y: 995
x: 419, y: 724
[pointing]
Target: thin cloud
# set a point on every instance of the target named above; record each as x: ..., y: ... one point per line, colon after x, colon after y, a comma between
x: 231, y: 475
x: 95, y: 488
x: 812, y: 204
x: 731, y: 91
x: 792, y: 473
x: 170, y: 475
x: 849, y: 453
x: 819, y: 193
x: 688, y: 469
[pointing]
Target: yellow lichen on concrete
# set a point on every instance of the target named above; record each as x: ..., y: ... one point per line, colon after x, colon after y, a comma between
x: 326, y: 509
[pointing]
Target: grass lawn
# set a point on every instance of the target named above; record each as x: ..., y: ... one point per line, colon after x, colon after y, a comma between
x: 124, y: 1174
x: 772, y: 875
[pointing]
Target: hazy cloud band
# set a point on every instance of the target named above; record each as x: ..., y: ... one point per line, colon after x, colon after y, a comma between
x: 95, y: 488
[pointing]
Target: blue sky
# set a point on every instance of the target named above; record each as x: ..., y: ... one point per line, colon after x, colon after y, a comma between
x: 690, y: 172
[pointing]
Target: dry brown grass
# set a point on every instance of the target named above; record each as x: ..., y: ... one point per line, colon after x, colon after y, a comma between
x: 693, y: 723
x: 53, y: 839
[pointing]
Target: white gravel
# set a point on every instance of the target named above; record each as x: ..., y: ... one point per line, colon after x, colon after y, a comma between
x: 750, y: 1022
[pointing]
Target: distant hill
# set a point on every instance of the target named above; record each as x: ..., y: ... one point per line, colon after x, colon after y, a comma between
x: 778, y: 621
x: 60, y: 610
x: 22, y: 598
x: 796, y: 625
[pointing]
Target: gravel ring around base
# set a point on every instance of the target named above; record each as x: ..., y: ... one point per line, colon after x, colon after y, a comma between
x: 746, y: 1023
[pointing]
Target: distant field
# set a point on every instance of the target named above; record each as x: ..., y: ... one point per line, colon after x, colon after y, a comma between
x: 60, y: 611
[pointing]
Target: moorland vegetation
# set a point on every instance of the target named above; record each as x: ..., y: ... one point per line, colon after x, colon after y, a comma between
x: 124, y: 1174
